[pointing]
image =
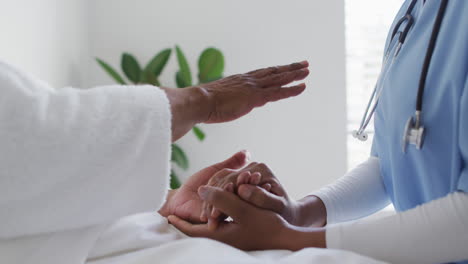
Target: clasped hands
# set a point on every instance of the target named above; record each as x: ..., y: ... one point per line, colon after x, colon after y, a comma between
x: 246, y: 207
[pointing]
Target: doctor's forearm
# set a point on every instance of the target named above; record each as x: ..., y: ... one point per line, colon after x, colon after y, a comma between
x: 311, y: 212
x: 435, y: 232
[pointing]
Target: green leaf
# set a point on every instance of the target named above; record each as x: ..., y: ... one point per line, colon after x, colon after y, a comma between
x: 179, y: 157
x: 199, y: 133
x: 149, y: 78
x: 180, y: 81
x: 184, y: 73
x: 157, y: 64
x: 131, y: 68
x: 113, y: 73
x: 175, y: 182
x: 210, y: 65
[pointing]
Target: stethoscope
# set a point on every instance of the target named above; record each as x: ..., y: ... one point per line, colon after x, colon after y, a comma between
x: 414, y: 130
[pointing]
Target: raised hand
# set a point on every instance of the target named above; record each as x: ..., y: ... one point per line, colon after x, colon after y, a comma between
x: 232, y: 97
x: 235, y: 96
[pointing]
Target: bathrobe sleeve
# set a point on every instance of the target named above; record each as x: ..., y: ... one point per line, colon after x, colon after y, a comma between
x: 71, y: 158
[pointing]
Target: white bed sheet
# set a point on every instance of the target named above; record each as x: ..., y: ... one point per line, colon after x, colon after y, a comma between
x: 148, y: 238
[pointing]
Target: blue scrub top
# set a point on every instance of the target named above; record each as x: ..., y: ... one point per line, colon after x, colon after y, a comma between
x: 441, y: 166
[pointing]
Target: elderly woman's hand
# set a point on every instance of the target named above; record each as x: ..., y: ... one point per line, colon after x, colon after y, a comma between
x: 232, y: 97
x: 235, y: 96
x: 185, y: 202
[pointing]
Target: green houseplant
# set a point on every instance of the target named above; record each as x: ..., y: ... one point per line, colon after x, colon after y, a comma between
x: 210, y: 68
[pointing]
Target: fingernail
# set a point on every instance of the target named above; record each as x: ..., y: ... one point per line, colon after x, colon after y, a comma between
x: 169, y: 219
x: 304, y: 62
x: 245, y: 192
x: 203, y: 192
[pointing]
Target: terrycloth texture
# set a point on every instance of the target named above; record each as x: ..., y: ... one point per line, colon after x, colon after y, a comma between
x: 357, y: 194
x: 435, y: 232
x: 73, y: 160
x: 148, y: 239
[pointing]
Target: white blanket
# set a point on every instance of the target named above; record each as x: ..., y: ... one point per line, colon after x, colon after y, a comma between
x: 148, y: 238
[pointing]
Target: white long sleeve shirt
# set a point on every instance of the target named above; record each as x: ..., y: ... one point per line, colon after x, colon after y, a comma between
x: 435, y: 232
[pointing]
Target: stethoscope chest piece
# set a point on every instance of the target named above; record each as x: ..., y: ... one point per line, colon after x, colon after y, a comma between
x: 413, y: 134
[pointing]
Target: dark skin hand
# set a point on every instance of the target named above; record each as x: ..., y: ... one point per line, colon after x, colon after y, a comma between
x: 257, y: 185
x: 232, y: 97
x: 185, y: 201
x: 252, y: 228
x: 228, y: 180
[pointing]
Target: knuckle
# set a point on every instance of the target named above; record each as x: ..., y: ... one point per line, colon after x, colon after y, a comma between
x: 251, y: 84
x: 262, y: 166
x: 278, y: 77
x: 252, y: 164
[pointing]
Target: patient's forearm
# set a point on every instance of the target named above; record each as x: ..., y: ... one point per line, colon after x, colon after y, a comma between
x: 189, y: 106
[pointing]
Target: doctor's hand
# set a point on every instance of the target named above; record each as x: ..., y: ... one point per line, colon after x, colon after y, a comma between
x: 265, y: 191
x: 232, y: 97
x: 255, y: 174
x: 252, y: 228
x: 185, y: 201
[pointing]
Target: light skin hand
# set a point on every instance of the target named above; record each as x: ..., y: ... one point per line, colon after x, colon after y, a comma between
x: 252, y: 228
x: 232, y: 97
x: 185, y: 201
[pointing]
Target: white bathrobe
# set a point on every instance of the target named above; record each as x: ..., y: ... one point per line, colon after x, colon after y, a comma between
x: 72, y: 161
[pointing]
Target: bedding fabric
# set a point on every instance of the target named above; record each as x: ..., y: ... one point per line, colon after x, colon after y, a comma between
x: 148, y: 238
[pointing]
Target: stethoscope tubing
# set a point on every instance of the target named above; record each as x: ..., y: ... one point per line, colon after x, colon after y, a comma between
x: 376, y: 93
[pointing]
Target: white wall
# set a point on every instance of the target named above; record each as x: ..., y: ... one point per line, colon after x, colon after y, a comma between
x: 303, y: 139
x: 47, y: 38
